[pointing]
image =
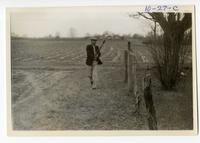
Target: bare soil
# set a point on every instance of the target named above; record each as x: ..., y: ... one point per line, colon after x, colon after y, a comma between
x: 64, y: 100
x: 51, y: 90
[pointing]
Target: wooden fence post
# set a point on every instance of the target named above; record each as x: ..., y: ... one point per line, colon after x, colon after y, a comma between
x: 134, y: 74
x: 130, y: 76
x: 126, y: 65
x: 148, y: 98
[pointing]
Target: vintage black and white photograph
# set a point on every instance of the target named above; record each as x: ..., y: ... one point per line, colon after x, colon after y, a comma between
x: 102, y: 68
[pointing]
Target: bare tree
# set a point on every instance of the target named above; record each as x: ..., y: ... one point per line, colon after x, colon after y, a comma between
x: 72, y: 32
x: 169, y: 56
x: 57, y: 35
x: 87, y: 35
x: 49, y: 36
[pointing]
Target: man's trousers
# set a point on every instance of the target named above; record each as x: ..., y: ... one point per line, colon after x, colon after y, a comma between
x: 93, y: 71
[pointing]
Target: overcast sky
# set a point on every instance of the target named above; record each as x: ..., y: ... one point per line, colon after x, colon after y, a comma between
x: 42, y: 22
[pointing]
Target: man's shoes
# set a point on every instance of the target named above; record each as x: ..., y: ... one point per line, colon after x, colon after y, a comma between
x: 94, y: 86
x: 91, y: 82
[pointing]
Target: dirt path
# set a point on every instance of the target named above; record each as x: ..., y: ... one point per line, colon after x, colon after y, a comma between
x: 51, y: 89
x: 64, y: 100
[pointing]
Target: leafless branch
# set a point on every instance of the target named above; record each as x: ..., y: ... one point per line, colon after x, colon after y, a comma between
x: 145, y: 16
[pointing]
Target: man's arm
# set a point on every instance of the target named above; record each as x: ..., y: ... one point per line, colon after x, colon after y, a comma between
x: 98, y: 52
x: 88, y: 51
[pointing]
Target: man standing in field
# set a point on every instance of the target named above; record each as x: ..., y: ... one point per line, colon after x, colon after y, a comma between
x: 93, y: 60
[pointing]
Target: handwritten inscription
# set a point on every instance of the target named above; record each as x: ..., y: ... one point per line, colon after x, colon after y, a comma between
x: 161, y: 8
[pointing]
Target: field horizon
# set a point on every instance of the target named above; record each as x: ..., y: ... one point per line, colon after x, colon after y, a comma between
x: 51, y: 89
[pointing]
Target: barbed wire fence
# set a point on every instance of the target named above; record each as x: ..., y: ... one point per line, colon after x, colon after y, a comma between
x: 143, y: 96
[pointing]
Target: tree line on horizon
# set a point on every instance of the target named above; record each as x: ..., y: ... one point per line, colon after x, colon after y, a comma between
x: 105, y: 35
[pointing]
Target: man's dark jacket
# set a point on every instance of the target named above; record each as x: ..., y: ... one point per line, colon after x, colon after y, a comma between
x: 90, y: 55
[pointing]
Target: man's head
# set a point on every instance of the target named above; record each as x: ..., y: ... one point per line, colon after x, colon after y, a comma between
x: 93, y: 40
